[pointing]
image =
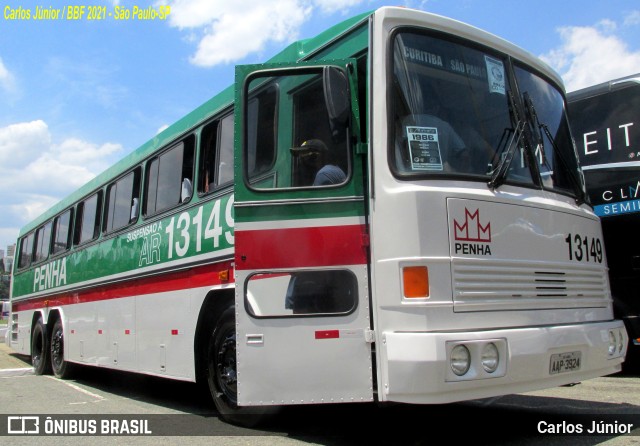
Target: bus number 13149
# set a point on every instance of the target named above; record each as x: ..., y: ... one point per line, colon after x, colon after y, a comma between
x: 583, y: 248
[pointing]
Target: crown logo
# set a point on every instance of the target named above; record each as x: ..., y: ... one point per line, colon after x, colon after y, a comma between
x: 471, y: 230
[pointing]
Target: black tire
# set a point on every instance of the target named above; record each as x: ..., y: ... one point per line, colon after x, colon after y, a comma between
x: 40, y: 349
x: 222, y: 372
x: 61, y: 368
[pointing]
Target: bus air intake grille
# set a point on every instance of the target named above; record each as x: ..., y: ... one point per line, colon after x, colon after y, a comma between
x: 480, y: 285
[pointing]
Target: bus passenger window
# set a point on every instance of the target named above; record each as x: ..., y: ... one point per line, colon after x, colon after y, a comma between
x: 208, y: 139
x: 61, y: 232
x: 43, y: 241
x: 216, y: 165
x: 225, y: 151
x: 120, y: 200
x: 26, y: 251
x: 169, y: 178
x: 88, y: 219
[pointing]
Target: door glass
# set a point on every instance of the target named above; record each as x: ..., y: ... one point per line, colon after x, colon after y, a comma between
x: 301, y: 293
x: 309, y: 151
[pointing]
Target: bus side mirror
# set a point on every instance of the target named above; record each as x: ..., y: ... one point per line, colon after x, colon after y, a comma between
x: 337, y: 98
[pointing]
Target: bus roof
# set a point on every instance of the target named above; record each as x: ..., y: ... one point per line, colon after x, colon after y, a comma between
x: 605, y: 87
x: 295, y: 51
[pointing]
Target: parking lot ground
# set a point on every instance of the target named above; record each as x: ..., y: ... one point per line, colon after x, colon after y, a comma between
x: 12, y: 363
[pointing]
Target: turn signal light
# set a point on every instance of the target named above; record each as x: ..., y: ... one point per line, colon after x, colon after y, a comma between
x: 416, y: 281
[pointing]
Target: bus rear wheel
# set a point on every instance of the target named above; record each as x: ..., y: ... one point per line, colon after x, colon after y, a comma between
x: 61, y: 368
x: 40, y: 349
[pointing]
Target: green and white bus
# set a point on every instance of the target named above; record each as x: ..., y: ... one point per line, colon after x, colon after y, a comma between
x: 391, y: 211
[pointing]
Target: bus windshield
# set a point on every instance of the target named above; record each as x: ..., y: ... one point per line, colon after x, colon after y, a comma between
x: 454, y: 113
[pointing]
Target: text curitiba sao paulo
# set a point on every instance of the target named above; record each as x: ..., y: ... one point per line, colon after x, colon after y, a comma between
x: 86, y: 12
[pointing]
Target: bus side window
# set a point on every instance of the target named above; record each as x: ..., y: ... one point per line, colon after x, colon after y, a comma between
x: 319, y: 292
x: 208, y: 139
x: 308, y: 151
x: 62, y: 232
x: 88, y: 219
x: 26, y: 251
x: 216, y: 159
x: 168, y: 175
x: 327, y: 163
x: 120, y: 199
x: 42, y: 243
x: 225, y: 151
x: 261, y: 136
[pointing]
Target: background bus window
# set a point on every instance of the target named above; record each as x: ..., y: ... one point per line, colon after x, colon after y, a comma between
x: 42, y: 243
x: 170, y: 178
x: 26, y: 251
x: 301, y: 293
x: 216, y: 166
x: 88, y: 219
x: 61, y: 232
x: 122, y: 198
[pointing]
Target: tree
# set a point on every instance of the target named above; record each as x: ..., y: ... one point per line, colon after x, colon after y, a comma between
x: 4, y: 287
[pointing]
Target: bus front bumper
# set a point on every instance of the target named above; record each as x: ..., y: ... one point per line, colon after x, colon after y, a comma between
x: 417, y: 366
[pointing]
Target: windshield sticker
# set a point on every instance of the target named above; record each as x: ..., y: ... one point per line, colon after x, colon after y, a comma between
x: 495, y: 73
x: 423, y: 57
x: 424, y: 148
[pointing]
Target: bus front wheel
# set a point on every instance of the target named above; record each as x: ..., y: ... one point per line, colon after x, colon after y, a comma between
x: 222, y: 375
x: 221, y: 365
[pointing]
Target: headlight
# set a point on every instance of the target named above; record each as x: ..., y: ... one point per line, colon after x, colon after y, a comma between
x: 620, y: 341
x: 460, y: 359
x: 612, y: 343
x: 490, y: 357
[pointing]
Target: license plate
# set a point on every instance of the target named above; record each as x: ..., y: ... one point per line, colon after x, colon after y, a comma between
x: 564, y: 362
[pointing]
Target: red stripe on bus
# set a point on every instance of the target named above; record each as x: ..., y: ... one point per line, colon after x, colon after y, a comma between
x: 300, y: 247
x: 161, y: 283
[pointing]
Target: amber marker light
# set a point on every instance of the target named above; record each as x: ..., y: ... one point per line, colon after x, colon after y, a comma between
x: 416, y: 281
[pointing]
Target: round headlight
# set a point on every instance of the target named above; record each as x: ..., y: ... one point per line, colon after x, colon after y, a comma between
x: 460, y: 359
x: 490, y: 358
x: 612, y: 343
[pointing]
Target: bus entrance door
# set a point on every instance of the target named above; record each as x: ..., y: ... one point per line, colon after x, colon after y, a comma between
x: 302, y: 300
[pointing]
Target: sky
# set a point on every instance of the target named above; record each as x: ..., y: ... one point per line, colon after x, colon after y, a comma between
x: 78, y: 95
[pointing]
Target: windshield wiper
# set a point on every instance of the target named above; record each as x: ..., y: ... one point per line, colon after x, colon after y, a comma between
x: 508, y: 144
x: 534, y: 123
x: 575, y: 182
